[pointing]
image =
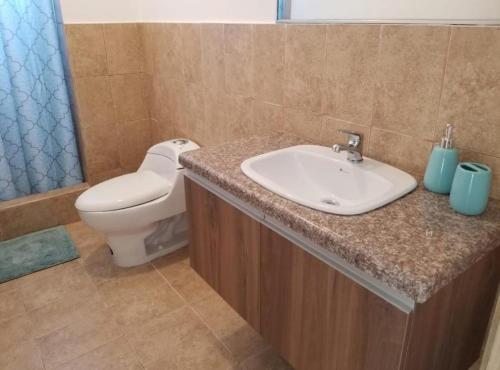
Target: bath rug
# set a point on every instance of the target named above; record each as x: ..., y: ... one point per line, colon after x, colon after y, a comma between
x: 34, y: 252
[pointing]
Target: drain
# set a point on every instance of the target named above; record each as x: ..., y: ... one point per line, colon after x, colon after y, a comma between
x: 330, y: 202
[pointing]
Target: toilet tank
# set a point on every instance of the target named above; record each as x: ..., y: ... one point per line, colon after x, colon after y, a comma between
x: 163, y: 158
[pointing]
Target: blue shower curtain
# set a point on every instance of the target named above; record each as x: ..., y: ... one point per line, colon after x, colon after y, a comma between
x: 38, y: 147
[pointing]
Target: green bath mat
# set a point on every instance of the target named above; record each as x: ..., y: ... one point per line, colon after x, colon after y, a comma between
x: 35, y: 251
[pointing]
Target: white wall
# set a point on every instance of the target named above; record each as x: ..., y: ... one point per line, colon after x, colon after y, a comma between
x: 396, y: 9
x: 116, y: 11
x: 100, y: 11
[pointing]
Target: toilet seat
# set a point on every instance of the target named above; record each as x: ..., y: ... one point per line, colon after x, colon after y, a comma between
x: 123, y: 192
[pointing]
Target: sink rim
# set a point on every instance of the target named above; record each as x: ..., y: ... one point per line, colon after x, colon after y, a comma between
x: 404, y: 182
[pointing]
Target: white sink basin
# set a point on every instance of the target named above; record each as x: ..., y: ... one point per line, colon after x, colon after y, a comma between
x: 317, y: 177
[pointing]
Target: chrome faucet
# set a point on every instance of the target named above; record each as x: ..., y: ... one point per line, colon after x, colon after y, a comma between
x: 353, y: 143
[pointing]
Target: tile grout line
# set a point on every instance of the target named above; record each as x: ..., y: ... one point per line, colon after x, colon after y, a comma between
x: 190, y: 307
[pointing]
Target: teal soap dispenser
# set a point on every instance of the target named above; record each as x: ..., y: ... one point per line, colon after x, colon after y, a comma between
x: 442, y: 164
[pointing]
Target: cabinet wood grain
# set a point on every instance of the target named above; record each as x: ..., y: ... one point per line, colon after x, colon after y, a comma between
x: 224, y: 250
x: 320, y: 319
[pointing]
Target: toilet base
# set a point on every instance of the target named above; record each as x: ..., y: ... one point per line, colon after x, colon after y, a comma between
x: 139, y: 248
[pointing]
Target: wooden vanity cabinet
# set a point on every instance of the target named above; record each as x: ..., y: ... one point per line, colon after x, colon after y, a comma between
x: 317, y: 317
x: 224, y: 250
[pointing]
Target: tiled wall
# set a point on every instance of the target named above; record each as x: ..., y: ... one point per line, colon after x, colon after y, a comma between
x: 107, y: 64
x: 397, y: 84
x: 39, y: 211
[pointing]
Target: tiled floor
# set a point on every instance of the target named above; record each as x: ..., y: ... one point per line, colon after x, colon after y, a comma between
x: 90, y: 314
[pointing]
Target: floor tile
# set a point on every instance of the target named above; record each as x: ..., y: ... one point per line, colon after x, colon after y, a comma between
x: 14, y: 331
x: 23, y: 356
x: 229, y: 327
x: 179, y: 340
x: 52, y: 285
x: 183, y: 278
x: 91, y: 328
x: 62, y: 312
x: 91, y: 244
x: 9, y: 285
x: 106, y: 271
x: 11, y: 304
x: 115, y: 355
x: 267, y: 360
x: 135, y: 306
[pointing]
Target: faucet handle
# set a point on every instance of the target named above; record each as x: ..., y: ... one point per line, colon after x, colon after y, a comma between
x: 353, y: 138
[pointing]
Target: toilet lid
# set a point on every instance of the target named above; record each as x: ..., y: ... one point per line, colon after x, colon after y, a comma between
x: 123, y: 192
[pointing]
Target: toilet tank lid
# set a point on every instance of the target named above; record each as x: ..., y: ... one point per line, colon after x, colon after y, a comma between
x: 173, y: 148
x: 123, y: 192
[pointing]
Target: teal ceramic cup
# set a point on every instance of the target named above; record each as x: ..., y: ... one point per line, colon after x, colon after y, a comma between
x: 470, y: 189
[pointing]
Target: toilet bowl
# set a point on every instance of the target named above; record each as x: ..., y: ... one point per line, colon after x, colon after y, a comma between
x: 142, y: 214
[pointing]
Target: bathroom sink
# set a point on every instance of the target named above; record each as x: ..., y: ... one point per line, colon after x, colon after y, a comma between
x: 317, y: 177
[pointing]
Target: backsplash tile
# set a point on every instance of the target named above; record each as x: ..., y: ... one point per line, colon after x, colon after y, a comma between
x: 238, y: 58
x: 351, y: 62
x: 471, y: 93
x: 212, y: 54
x: 124, y: 48
x: 397, y: 84
x: 410, y: 74
x: 305, y: 57
x: 87, y: 50
x: 268, y: 62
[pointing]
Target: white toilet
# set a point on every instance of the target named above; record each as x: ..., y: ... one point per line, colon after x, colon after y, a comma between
x: 142, y: 214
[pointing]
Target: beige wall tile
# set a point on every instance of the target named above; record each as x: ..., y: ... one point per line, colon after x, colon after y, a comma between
x: 215, y: 117
x: 305, y: 56
x: 87, y: 53
x: 135, y: 139
x: 303, y: 124
x: 238, y: 117
x: 406, y: 152
x: 238, y: 55
x: 94, y: 101
x: 409, y: 79
x: 124, y: 48
x: 161, y: 131
x: 168, y: 60
x: 130, y: 96
x: 100, y: 149
x: 268, y: 62
x: 165, y: 98
x: 212, y: 54
x: 471, y: 92
x: 330, y: 133
x: 267, y: 117
x: 191, y: 122
x: 63, y: 206
x: 350, y: 72
x: 21, y: 220
x: 100, y: 176
x: 191, y: 52
x: 148, y: 37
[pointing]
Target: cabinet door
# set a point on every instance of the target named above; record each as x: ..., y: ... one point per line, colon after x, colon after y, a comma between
x: 317, y: 318
x: 224, y: 250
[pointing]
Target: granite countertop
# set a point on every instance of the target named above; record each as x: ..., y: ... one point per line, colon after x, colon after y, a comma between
x: 415, y: 245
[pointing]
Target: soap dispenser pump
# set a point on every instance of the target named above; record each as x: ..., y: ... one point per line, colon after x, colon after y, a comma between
x: 442, y: 164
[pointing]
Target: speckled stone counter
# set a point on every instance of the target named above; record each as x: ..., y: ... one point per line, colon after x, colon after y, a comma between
x: 415, y: 245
